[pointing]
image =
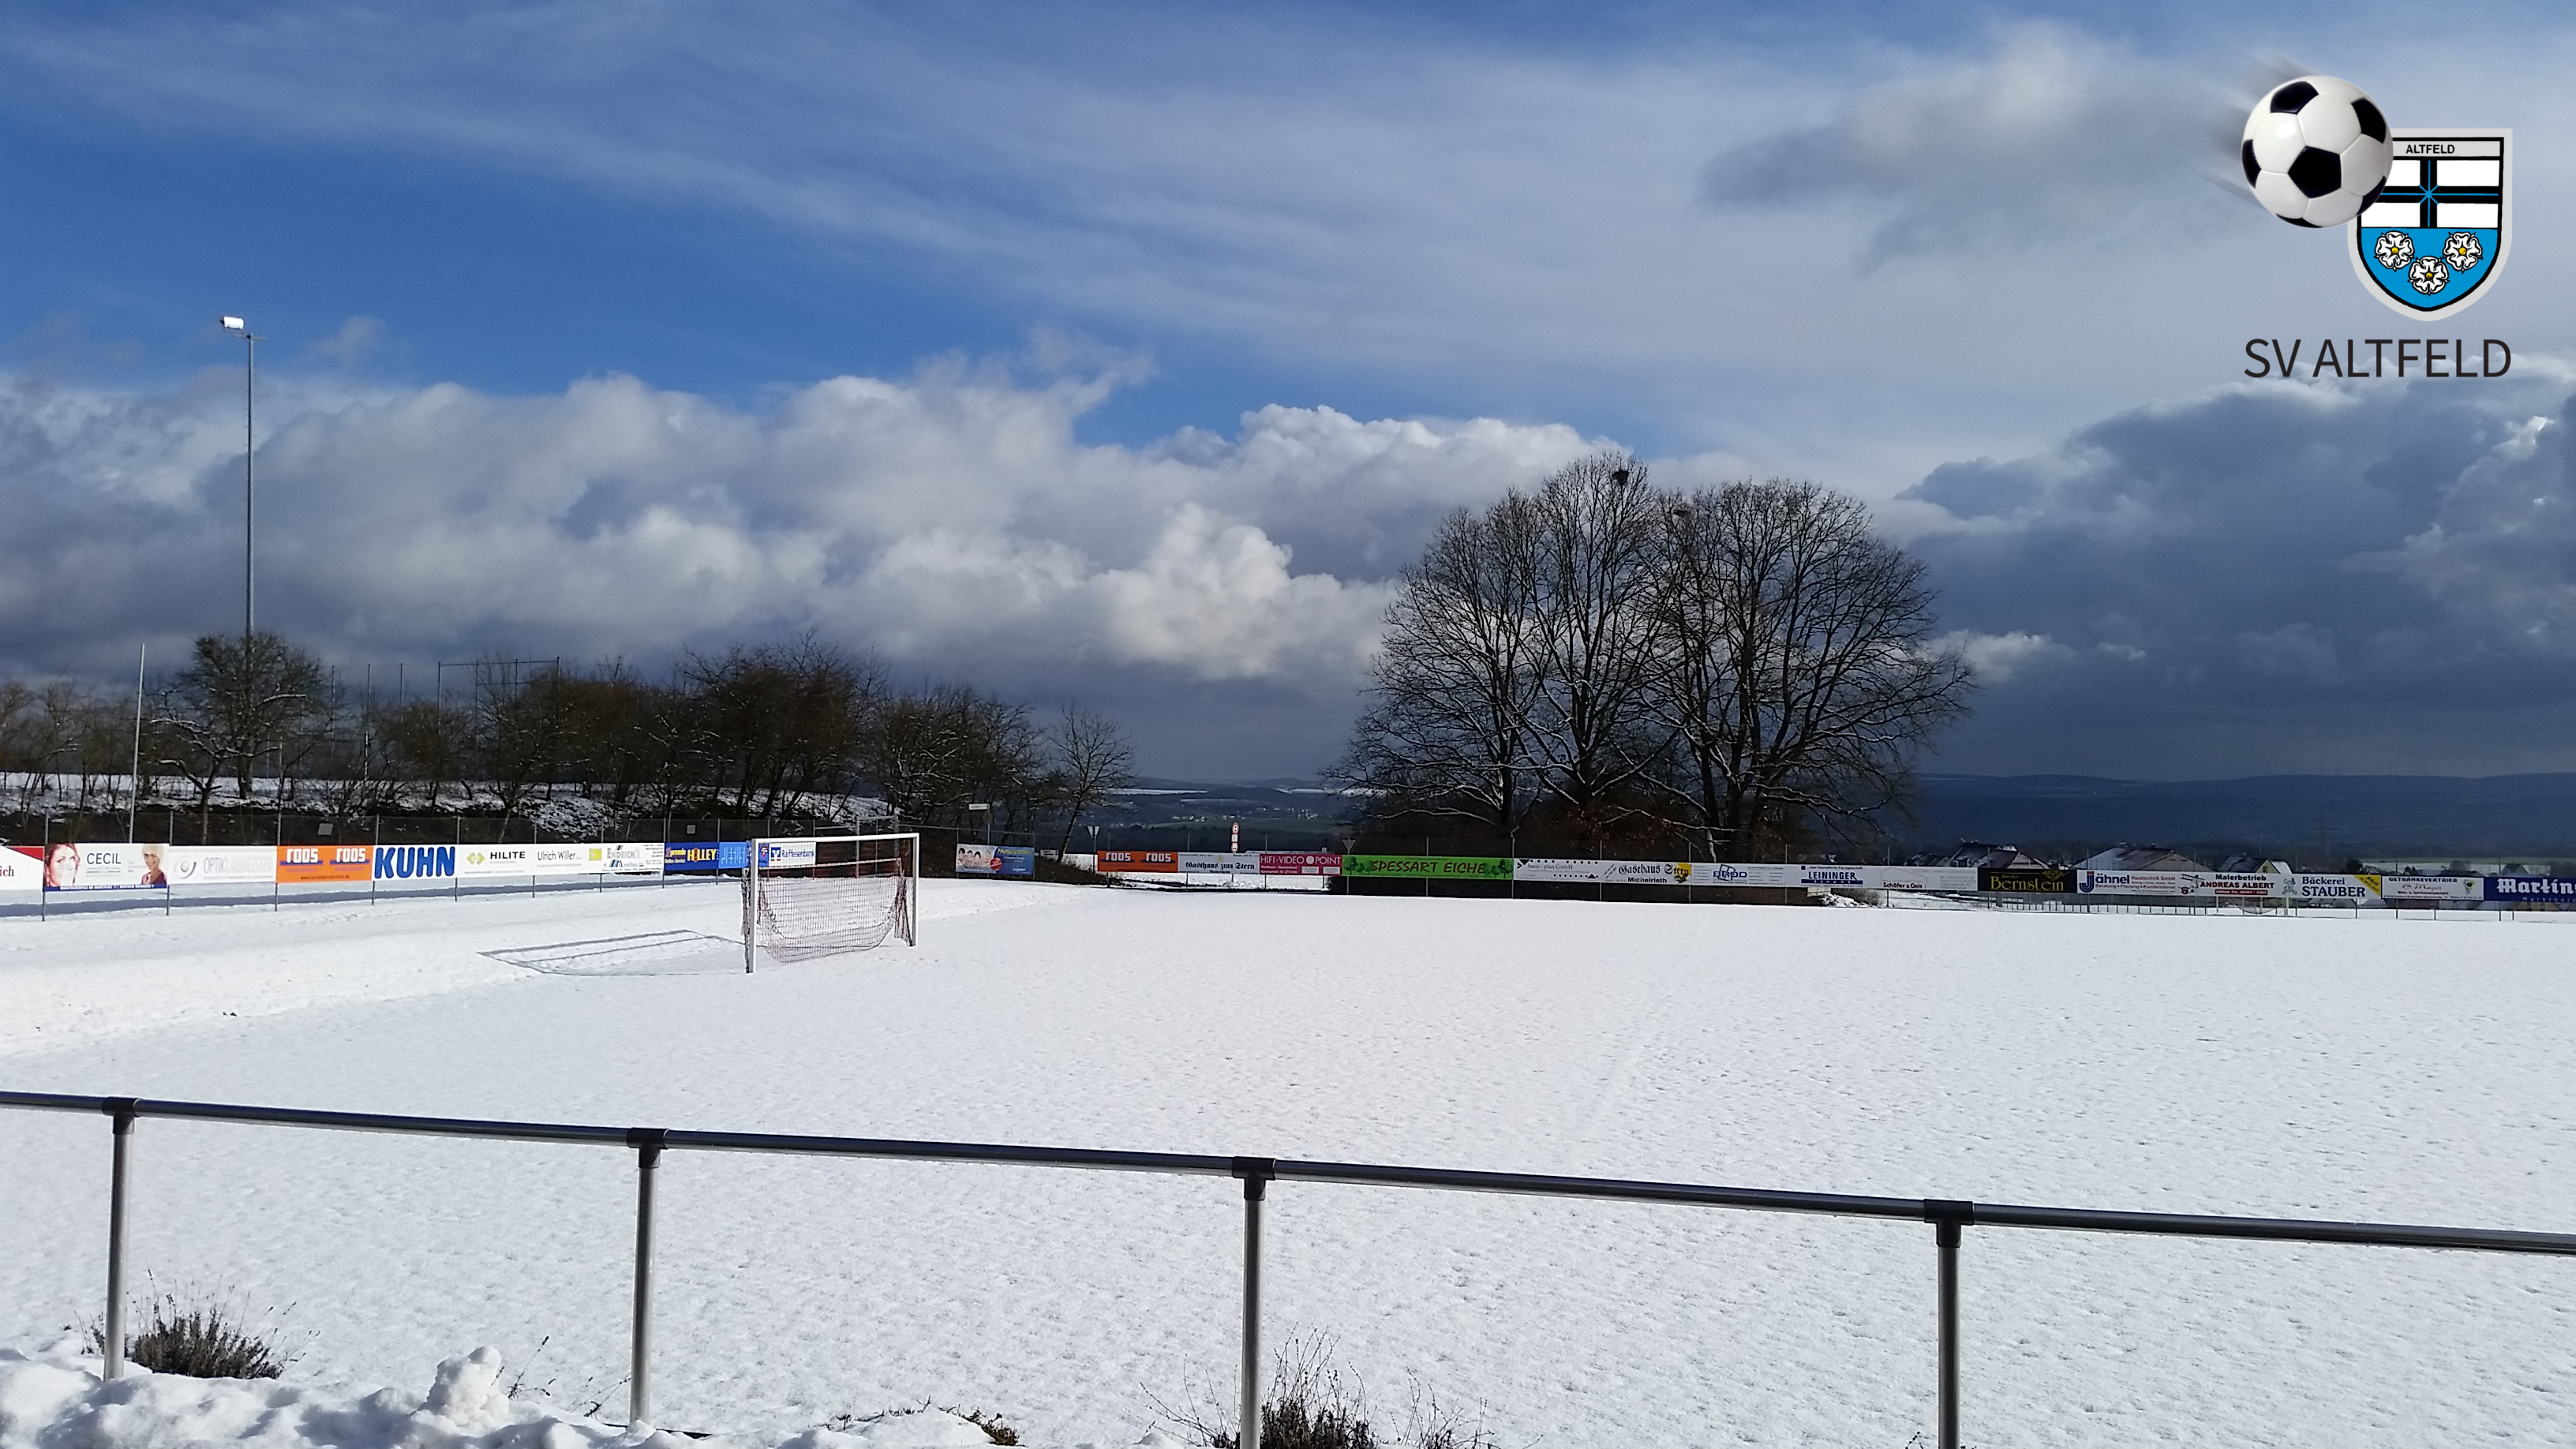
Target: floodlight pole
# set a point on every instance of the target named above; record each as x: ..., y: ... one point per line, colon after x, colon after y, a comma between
x: 250, y: 384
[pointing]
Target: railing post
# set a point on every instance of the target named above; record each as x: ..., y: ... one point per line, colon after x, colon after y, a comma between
x: 1256, y: 1173
x: 1948, y: 1218
x: 120, y: 1111
x: 647, y: 1142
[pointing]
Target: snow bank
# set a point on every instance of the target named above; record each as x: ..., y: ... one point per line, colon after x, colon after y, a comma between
x: 55, y: 1399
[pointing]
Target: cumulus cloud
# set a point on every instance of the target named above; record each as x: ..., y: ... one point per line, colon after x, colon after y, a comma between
x: 950, y: 522
x: 2271, y: 578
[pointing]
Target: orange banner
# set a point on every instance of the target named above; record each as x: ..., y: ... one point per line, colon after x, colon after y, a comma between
x: 1139, y: 860
x: 301, y: 864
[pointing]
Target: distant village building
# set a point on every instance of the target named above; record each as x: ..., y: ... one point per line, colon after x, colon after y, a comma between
x: 2142, y: 858
x: 1978, y: 855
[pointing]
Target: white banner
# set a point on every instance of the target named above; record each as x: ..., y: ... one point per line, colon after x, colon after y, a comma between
x: 631, y: 857
x: 1554, y: 870
x: 786, y: 854
x: 231, y: 865
x: 2332, y: 890
x: 2430, y: 887
x: 2137, y: 882
x: 486, y: 860
x: 1850, y: 877
x: 1219, y: 862
x: 1924, y: 877
x: 1721, y: 873
x: 70, y: 866
x: 2246, y: 886
x: 21, y: 869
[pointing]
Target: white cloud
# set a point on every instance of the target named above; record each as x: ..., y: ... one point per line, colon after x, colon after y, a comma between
x: 951, y: 522
x: 1999, y: 657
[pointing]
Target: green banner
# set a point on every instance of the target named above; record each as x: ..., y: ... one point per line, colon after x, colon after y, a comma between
x: 1429, y: 867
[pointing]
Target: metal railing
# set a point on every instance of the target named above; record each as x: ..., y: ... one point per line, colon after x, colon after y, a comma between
x: 1949, y: 1217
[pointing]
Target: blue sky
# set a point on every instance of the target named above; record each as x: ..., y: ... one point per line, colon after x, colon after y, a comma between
x: 998, y: 339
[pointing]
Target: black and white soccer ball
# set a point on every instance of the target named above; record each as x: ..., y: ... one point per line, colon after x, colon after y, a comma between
x: 2316, y: 151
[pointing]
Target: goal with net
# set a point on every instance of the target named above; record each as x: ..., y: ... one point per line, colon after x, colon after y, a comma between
x: 808, y: 896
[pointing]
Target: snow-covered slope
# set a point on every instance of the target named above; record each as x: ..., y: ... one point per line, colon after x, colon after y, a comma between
x: 2376, y: 1068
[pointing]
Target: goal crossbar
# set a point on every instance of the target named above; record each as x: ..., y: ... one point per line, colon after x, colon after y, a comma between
x: 806, y: 896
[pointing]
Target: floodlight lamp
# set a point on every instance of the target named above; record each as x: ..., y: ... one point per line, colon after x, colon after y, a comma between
x: 235, y: 324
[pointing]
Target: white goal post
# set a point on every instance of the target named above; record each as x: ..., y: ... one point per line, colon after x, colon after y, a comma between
x: 809, y: 896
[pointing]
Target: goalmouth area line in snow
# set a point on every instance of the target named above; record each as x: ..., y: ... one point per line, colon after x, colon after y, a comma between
x: 1949, y: 1217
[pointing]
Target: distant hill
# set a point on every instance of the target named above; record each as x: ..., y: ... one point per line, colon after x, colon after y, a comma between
x: 2314, y: 820
x: 2380, y: 816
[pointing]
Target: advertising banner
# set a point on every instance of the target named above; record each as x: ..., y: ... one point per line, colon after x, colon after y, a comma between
x: 415, y: 862
x: 1646, y: 872
x: 1428, y: 867
x: 1850, y: 877
x: 997, y: 860
x: 228, y: 865
x: 786, y: 854
x: 685, y: 856
x: 631, y: 857
x: 2248, y: 885
x: 2429, y: 889
x: 490, y: 860
x: 103, y: 867
x: 1609, y: 872
x: 1219, y: 862
x: 1924, y: 877
x: 1155, y: 862
x: 1742, y: 873
x: 1554, y: 871
x: 310, y: 864
x: 22, y: 868
x: 2138, y: 882
x: 2027, y: 880
x: 2331, y: 890
x: 1300, y: 862
x: 2532, y: 890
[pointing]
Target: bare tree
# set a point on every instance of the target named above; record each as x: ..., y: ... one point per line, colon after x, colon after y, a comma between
x: 1795, y: 673
x: 243, y: 698
x: 1093, y: 763
x: 1598, y: 526
x: 1455, y: 685
x: 934, y: 752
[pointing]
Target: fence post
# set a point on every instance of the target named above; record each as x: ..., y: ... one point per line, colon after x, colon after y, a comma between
x: 1947, y: 1219
x: 1256, y: 1173
x: 647, y: 1142
x: 120, y: 1111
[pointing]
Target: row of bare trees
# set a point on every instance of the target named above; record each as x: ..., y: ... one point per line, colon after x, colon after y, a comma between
x: 800, y: 729
x: 1740, y: 669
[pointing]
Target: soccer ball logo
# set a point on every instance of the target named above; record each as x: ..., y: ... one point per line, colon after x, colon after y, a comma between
x: 2395, y: 249
x: 2316, y: 151
x: 2462, y: 250
x: 2430, y: 276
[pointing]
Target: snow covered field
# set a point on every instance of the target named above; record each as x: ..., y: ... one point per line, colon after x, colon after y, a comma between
x: 2355, y: 1068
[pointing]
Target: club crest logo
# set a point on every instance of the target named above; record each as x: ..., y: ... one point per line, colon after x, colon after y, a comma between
x: 2440, y: 227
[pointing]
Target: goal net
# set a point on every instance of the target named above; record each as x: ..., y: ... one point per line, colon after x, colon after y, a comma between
x: 805, y: 897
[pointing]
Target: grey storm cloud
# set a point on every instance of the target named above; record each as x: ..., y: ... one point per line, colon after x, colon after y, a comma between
x: 2276, y: 578
x: 1221, y: 592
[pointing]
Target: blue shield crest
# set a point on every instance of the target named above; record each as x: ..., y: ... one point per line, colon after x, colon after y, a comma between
x: 2437, y: 233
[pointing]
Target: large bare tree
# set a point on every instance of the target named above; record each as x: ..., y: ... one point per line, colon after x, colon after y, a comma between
x: 1794, y: 671
x: 1598, y: 526
x: 1453, y: 692
x: 1740, y: 664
